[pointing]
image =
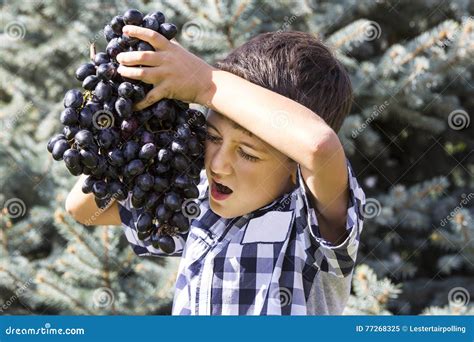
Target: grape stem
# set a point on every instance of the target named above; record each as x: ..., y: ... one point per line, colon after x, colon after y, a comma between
x: 92, y: 51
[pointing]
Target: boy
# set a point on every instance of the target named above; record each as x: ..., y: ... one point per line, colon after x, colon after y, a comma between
x: 279, y: 234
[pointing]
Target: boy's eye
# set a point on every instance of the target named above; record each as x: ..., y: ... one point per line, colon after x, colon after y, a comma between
x: 248, y: 156
x: 214, y: 139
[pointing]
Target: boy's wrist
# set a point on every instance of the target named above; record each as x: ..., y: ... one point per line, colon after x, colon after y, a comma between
x: 207, y: 89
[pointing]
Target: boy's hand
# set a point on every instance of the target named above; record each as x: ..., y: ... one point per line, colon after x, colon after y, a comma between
x: 175, y: 72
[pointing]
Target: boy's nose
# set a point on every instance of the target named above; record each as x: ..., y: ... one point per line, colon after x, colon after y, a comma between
x: 221, y: 163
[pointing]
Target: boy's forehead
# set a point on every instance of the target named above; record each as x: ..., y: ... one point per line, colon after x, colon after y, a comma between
x: 220, y: 117
x: 215, y: 117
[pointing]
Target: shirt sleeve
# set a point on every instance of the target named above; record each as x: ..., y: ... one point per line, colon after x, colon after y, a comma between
x: 338, y: 260
x: 129, y: 217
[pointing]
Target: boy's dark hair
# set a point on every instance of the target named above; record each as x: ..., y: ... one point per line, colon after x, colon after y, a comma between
x: 296, y: 65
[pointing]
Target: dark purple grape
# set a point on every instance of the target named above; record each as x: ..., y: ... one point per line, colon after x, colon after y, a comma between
x: 162, y: 213
x: 137, y: 192
x: 130, y: 41
x: 85, y: 117
x: 101, y: 167
x: 109, y: 105
x: 151, y: 23
x: 68, y: 116
x: 162, y: 110
x: 73, y: 99
x: 179, y: 162
x: 85, y: 70
x: 195, y: 118
x: 109, y: 34
x: 195, y: 148
x: 161, y: 168
x: 89, y: 159
x: 133, y: 17
x: 159, y: 16
x: 164, y: 155
x: 99, y: 188
x: 144, y: 46
x: 145, y: 181
x: 181, y: 222
x: 114, y: 48
x: 117, y: 24
x: 168, y: 30
x: 70, y: 131
x: 72, y: 158
x: 166, y: 244
x: 151, y: 201
x: 128, y: 127
x: 147, y: 151
x: 191, y: 192
x: 84, y: 138
x: 53, y: 140
x: 105, y: 138
x: 181, y: 182
x: 106, y: 71
x: 125, y: 90
x: 59, y: 148
x: 103, y: 91
x: 101, y: 58
x: 116, y: 157
x: 147, y: 137
x: 130, y: 150
x: 165, y: 138
x: 118, y: 191
x: 87, y: 184
x: 75, y: 170
x: 138, y: 93
x: 144, y: 222
x: 161, y: 184
x: 178, y: 146
x: 172, y: 201
x: 90, y: 82
x: 135, y: 167
x: 123, y: 107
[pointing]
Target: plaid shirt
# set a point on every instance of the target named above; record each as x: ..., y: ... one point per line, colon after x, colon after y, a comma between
x: 272, y: 261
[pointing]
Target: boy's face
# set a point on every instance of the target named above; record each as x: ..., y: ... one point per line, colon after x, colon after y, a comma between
x: 256, y: 175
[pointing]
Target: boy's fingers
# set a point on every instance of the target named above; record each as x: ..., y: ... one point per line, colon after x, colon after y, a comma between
x: 148, y: 58
x: 153, y: 96
x: 156, y: 40
x: 145, y: 74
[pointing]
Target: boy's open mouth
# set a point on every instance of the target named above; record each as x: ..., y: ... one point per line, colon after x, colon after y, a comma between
x: 221, y: 188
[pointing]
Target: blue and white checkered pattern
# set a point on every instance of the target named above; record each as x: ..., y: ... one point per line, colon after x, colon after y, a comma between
x: 271, y: 261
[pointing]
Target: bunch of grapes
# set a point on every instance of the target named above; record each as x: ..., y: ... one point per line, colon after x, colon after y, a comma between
x: 156, y: 154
